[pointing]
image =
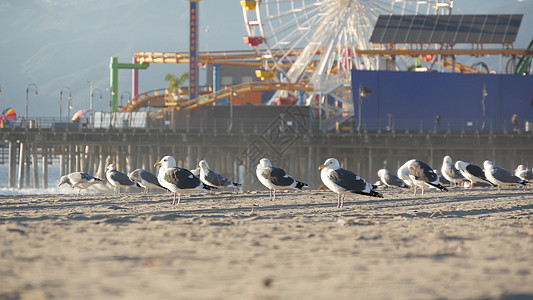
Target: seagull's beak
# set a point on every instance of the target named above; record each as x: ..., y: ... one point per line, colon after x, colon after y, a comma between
x: 158, y: 164
x: 321, y: 167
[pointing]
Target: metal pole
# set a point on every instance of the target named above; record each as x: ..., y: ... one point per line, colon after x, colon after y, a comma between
x: 359, y: 106
x: 68, y: 110
x: 60, y: 103
x: 231, y: 111
x: 26, y: 115
x: 91, y: 102
x: 485, y: 94
x: 32, y: 86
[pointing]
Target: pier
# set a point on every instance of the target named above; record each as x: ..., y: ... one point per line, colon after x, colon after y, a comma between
x: 234, y: 149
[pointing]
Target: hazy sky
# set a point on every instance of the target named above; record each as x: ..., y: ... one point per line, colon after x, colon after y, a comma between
x: 66, y: 43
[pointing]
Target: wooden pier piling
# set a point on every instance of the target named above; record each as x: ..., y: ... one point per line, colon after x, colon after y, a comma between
x: 22, y: 157
x: 235, y: 154
x: 12, y: 161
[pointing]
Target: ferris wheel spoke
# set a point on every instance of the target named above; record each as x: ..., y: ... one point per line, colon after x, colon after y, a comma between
x: 300, y: 22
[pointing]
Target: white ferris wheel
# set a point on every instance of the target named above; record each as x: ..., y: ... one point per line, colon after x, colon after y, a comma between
x: 314, y: 41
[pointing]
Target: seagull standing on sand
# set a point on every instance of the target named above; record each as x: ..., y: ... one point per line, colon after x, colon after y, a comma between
x: 213, y: 179
x: 403, y: 173
x: 523, y: 172
x: 344, y: 182
x: 450, y: 172
x: 79, y: 180
x: 423, y: 175
x: 118, y: 179
x: 145, y: 179
x: 275, y: 178
x: 178, y: 180
x: 472, y: 172
x: 501, y: 177
x: 390, y: 179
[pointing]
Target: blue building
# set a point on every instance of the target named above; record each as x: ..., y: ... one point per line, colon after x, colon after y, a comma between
x: 444, y: 101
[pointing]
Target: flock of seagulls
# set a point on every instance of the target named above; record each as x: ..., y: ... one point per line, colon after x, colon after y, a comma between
x: 412, y: 174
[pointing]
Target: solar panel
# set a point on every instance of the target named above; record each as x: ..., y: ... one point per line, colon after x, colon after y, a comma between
x: 446, y: 29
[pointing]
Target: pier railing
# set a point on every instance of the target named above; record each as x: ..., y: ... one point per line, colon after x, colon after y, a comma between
x: 253, y: 125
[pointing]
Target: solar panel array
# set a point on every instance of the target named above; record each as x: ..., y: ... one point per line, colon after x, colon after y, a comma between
x: 446, y: 28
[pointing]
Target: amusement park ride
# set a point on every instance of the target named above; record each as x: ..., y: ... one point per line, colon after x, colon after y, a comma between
x: 305, y: 50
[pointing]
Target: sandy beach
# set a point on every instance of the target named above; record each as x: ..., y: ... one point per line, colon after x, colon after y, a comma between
x: 457, y: 245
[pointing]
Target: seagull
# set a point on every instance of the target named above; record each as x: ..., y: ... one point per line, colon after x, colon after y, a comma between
x: 213, y: 179
x: 145, y: 179
x: 390, y: 179
x: 178, y: 180
x: 501, y: 177
x: 275, y: 178
x: 344, y: 182
x: 472, y: 172
x: 118, y: 179
x: 523, y: 172
x: 450, y: 172
x: 423, y: 175
x: 79, y: 180
x: 196, y: 172
x: 403, y: 173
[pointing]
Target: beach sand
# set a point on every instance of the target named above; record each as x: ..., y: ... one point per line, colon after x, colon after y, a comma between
x: 457, y: 245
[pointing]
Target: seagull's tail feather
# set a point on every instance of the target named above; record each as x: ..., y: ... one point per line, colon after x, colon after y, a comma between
x: 439, y: 186
x: 372, y: 193
x: 489, y: 182
x: 208, y: 187
x: 98, y: 179
x: 300, y: 185
x: 375, y: 194
x: 236, y: 184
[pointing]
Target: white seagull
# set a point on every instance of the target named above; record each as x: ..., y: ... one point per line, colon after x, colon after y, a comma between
x: 450, y: 172
x: 275, y: 178
x: 178, y: 180
x: 213, y: 179
x: 79, y: 180
x: 423, y: 175
x: 523, y: 172
x: 501, y: 177
x: 403, y: 173
x: 342, y: 181
x: 118, y: 179
x: 390, y: 179
x: 472, y: 172
x: 145, y: 179
x: 196, y: 172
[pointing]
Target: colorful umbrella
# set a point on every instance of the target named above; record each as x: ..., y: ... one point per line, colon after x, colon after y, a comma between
x: 80, y: 113
x: 7, y: 118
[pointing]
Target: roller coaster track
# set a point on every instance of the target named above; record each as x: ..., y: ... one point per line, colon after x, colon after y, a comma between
x: 213, y: 97
x: 251, y: 58
x: 459, y: 68
x: 150, y: 98
x: 238, y: 58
